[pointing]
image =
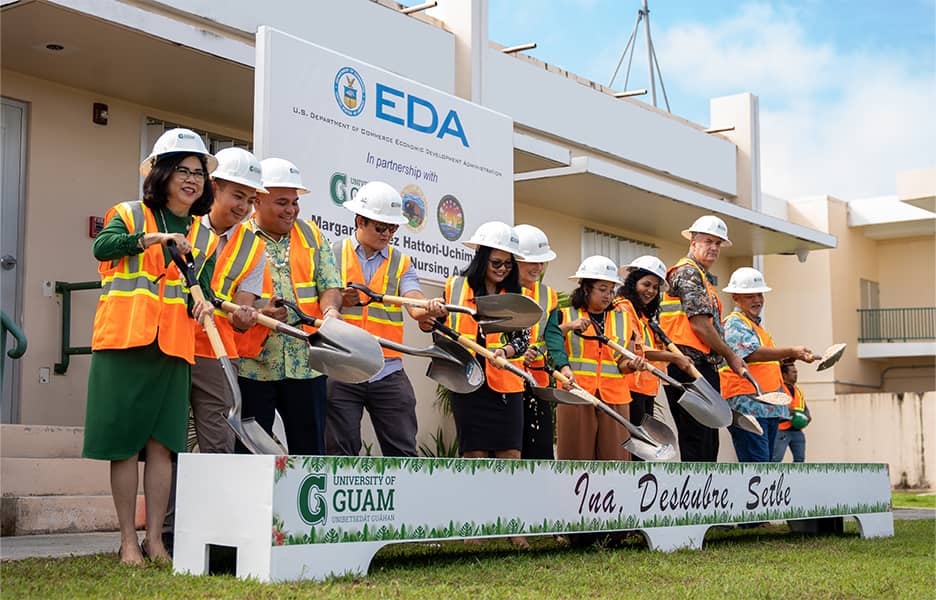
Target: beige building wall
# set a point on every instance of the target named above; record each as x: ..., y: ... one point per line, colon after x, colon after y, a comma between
x: 907, y: 272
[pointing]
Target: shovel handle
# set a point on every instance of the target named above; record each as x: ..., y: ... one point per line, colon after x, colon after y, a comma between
x: 630, y: 355
x: 186, y: 268
x: 692, y: 368
x: 269, y: 322
x: 469, y: 343
x: 404, y: 301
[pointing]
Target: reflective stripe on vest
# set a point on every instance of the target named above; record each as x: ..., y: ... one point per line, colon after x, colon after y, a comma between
x: 798, y: 403
x: 595, y: 364
x: 383, y: 320
x: 457, y: 291
x: 673, y: 318
x: 767, y: 373
x: 548, y: 300
x: 641, y: 382
x: 240, y: 255
x: 143, y: 298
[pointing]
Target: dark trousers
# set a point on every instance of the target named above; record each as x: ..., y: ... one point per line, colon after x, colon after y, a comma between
x: 697, y: 443
x: 751, y: 447
x: 641, y: 405
x: 301, y: 404
x: 391, y: 404
x: 537, y: 429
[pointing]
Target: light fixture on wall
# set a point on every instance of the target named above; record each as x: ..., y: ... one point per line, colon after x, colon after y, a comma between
x: 99, y: 113
x: 518, y: 48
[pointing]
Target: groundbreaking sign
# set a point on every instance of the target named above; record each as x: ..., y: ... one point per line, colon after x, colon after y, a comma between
x: 298, y: 517
x: 344, y: 123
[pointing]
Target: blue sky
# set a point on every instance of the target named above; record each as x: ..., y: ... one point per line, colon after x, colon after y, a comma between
x: 847, y: 88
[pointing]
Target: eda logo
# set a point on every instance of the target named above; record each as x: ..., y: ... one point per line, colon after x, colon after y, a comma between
x: 349, y: 91
x: 420, y: 114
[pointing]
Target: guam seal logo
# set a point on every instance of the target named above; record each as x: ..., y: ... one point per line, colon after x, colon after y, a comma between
x: 349, y: 91
x: 414, y: 206
x: 451, y: 218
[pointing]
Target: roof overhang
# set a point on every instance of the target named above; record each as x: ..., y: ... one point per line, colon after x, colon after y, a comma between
x: 604, y: 192
x: 887, y: 217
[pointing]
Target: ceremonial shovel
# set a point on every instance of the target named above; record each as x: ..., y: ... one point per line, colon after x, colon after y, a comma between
x: 775, y: 398
x: 248, y: 431
x: 831, y: 356
x: 450, y: 365
x: 740, y: 420
x: 699, y: 398
x: 496, y: 313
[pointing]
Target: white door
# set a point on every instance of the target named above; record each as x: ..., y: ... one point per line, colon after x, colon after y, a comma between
x: 12, y: 183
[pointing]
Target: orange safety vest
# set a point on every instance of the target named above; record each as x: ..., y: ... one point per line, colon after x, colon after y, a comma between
x: 640, y: 381
x: 548, y: 300
x: 798, y: 403
x: 673, y: 318
x: 239, y: 256
x: 594, y: 364
x: 382, y: 320
x: 305, y: 239
x: 767, y: 373
x: 143, y: 298
x: 457, y: 291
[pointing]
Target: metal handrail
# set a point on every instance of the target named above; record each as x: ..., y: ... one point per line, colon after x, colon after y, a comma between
x: 65, y: 289
x: 7, y: 324
x: 897, y: 324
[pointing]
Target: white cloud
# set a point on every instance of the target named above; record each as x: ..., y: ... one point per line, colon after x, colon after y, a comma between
x: 831, y: 122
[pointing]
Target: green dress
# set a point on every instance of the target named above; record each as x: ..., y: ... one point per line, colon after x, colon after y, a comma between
x: 137, y: 393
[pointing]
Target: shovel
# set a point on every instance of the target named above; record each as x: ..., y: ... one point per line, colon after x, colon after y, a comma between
x: 469, y: 343
x: 450, y: 364
x: 775, y: 398
x: 702, y: 401
x: 707, y: 402
x: 746, y: 422
x: 495, y: 313
x: 248, y: 431
x: 337, y: 349
x: 831, y: 356
x: 641, y: 442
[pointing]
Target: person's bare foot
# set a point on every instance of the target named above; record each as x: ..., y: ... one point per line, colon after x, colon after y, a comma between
x: 519, y: 542
x: 130, y: 554
x: 155, y: 550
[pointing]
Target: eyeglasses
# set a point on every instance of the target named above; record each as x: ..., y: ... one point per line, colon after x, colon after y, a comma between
x: 500, y: 264
x: 185, y: 173
x: 384, y: 227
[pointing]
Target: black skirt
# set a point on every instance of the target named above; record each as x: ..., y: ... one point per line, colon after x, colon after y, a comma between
x: 489, y: 421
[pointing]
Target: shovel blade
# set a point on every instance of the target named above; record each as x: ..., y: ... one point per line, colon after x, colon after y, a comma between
x: 344, y: 352
x: 557, y: 396
x: 649, y: 452
x: 704, y: 411
x: 658, y: 430
x: 453, y: 367
x: 506, y: 312
x: 746, y: 422
x: 253, y: 436
x: 831, y: 356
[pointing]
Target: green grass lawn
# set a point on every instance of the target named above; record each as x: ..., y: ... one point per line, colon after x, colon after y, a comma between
x: 913, y: 500
x: 753, y: 563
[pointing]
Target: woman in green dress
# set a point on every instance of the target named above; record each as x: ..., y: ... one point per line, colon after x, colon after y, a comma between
x: 140, y: 376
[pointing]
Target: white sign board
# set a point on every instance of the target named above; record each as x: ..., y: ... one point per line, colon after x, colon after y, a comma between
x: 344, y: 123
x: 294, y: 517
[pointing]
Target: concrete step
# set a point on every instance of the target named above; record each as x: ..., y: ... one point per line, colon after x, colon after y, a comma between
x: 28, y: 515
x: 41, y: 441
x: 57, y: 477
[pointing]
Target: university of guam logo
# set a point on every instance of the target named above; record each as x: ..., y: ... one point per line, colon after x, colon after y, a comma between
x: 312, y: 505
x: 349, y: 91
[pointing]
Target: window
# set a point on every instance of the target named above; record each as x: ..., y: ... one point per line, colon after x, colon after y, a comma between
x: 213, y: 141
x: 619, y: 249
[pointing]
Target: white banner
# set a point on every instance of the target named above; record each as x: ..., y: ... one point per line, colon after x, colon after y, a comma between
x: 344, y: 123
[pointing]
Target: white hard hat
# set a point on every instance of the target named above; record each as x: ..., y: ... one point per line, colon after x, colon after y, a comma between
x: 280, y: 173
x: 711, y: 225
x: 497, y: 235
x: 534, y: 246
x: 239, y: 166
x: 746, y: 280
x: 653, y: 265
x: 598, y: 267
x: 177, y: 140
x: 378, y: 201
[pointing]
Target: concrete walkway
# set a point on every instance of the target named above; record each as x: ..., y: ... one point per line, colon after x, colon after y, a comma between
x: 80, y: 544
